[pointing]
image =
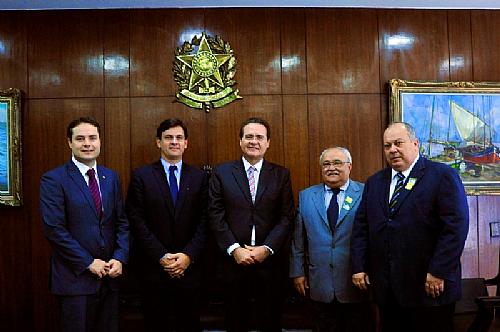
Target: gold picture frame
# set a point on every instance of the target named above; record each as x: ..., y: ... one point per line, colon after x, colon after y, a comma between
x: 457, y: 123
x: 10, y: 148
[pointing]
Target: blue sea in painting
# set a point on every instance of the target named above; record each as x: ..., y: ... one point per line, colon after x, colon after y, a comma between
x: 3, y: 157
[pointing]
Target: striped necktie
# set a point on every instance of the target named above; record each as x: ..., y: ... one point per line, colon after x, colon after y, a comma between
x: 251, y: 181
x: 333, y: 209
x: 94, y: 191
x: 172, y: 179
x: 397, y: 191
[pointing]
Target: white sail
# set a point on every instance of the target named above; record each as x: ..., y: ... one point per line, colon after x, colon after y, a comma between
x: 470, y: 127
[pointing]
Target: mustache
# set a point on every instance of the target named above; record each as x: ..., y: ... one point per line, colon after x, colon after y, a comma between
x: 332, y: 173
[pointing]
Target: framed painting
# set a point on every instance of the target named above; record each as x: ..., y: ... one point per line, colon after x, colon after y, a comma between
x: 10, y: 147
x: 457, y: 123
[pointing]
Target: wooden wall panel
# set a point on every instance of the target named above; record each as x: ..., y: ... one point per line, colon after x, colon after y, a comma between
x: 460, y: 44
x: 146, y: 116
x: 45, y: 148
x: 293, y: 51
x: 65, y: 56
x: 254, y: 34
x: 486, y: 45
x: 488, y: 211
x: 154, y: 36
x: 117, y: 137
x: 13, y: 51
x: 413, y: 45
x: 224, y: 128
x: 470, y: 256
x: 296, y: 141
x: 342, y: 57
x: 116, y: 25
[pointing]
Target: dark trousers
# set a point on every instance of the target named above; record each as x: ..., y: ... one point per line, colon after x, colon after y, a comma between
x: 254, y: 299
x: 170, y: 306
x: 395, y: 318
x: 343, y: 317
x: 90, y: 313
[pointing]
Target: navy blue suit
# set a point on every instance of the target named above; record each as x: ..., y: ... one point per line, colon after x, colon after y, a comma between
x: 426, y: 233
x: 159, y: 227
x: 72, y: 225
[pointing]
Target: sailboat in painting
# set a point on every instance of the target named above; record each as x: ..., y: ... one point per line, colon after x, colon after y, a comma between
x: 476, y: 134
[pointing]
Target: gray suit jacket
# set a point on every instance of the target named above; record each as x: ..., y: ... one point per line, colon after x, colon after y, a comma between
x: 320, y: 254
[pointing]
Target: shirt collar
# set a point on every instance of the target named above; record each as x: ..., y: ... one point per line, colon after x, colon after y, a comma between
x: 166, y: 165
x: 342, y: 188
x: 408, y: 171
x: 247, y: 165
x: 82, y: 167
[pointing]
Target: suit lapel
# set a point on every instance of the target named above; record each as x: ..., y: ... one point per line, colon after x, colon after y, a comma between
x: 77, y: 177
x: 105, y: 186
x: 184, y: 187
x: 319, y: 203
x: 416, y: 173
x: 264, y: 179
x: 385, y: 185
x: 352, y: 195
x: 161, y: 179
x: 241, y: 179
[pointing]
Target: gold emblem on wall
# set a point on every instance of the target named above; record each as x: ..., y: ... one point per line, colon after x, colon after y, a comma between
x: 204, y: 70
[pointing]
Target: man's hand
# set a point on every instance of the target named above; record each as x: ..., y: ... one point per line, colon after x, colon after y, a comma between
x: 115, y: 268
x: 434, y: 286
x: 361, y: 280
x: 259, y: 253
x: 243, y: 256
x: 99, y: 267
x: 176, y: 264
x: 301, y: 284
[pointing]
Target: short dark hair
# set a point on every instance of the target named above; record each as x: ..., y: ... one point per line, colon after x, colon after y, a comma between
x: 256, y: 120
x: 171, y: 123
x: 79, y: 121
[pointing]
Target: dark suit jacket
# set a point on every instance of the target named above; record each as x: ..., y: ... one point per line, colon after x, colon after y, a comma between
x: 158, y: 227
x: 72, y: 226
x: 426, y: 233
x: 232, y: 213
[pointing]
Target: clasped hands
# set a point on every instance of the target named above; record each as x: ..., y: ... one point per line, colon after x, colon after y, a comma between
x: 434, y: 286
x: 175, y: 264
x: 100, y: 268
x: 249, y: 255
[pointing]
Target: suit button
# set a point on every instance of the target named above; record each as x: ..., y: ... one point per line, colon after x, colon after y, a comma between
x: 389, y: 220
x: 102, y: 248
x: 331, y: 266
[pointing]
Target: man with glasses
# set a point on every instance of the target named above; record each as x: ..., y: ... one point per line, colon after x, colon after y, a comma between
x: 166, y: 205
x: 320, y: 254
x: 251, y: 210
x: 408, y: 236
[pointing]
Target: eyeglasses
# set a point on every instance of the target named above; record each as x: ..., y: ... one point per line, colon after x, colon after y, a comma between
x: 251, y: 137
x: 334, y: 163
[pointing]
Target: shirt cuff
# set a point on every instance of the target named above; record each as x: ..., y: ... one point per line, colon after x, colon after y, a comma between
x: 270, y: 250
x: 232, y: 247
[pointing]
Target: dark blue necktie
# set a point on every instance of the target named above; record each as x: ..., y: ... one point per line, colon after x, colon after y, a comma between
x: 174, y: 189
x: 397, y: 191
x: 333, y: 209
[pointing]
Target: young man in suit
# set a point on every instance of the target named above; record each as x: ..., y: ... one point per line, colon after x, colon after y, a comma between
x: 84, y: 221
x: 166, y: 205
x: 408, y: 236
x: 320, y: 253
x: 251, y: 210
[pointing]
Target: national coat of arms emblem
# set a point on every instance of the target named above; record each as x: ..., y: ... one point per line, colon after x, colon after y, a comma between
x: 204, y: 72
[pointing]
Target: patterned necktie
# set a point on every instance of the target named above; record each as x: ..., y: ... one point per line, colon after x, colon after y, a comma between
x: 397, y: 191
x: 333, y: 209
x: 174, y: 189
x: 94, y: 191
x: 251, y: 181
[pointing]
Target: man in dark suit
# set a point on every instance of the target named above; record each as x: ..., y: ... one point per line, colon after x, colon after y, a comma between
x: 166, y: 205
x: 84, y: 221
x: 251, y: 210
x: 320, y: 261
x: 408, y: 236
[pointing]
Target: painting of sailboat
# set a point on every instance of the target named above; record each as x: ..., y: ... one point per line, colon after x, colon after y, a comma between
x: 456, y: 126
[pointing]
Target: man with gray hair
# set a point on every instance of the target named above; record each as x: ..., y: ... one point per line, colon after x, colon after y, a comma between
x: 320, y: 259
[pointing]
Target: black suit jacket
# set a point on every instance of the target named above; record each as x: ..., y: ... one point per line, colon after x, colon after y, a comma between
x: 232, y: 213
x: 158, y: 227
